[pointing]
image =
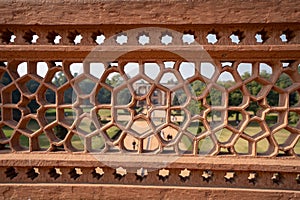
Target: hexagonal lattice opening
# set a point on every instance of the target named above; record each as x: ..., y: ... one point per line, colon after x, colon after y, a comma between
x: 103, y: 115
x: 151, y: 70
x: 124, y: 97
x: 123, y: 116
x: 196, y: 127
x: 206, y: 146
x: 151, y: 144
x: 265, y: 70
x: 187, y: 69
x: 158, y: 117
x: 169, y: 64
x: 69, y: 96
x: 42, y: 69
x: 84, y: 86
x: 272, y: 118
x: 293, y: 119
x: 215, y: 97
x: 254, y: 109
x: 141, y: 87
x: 5, y: 78
x: 282, y: 136
x: 141, y: 107
x: 131, y: 69
x: 16, y: 114
x: 178, y: 117
x: 113, y: 132
x: 27, y: 85
x: 245, y: 70
x: 33, y: 106
x: 226, y: 80
x: 114, y: 79
x: 178, y: 97
x: 235, y: 118
x: 83, y: 105
x: 86, y: 125
x: 12, y: 97
x: 50, y: 96
x: 131, y: 143
x: 77, y: 143
x: 241, y: 146
x: 207, y: 69
x: 97, y: 142
x: 31, y: 125
x: 224, y: 135
x: 97, y: 69
x: 263, y: 146
x: 273, y: 98
x: 158, y: 97
x: 10, y: 94
x: 43, y: 142
x: 297, y: 147
x: 235, y: 98
x: 5, y: 134
x: 60, y: 131
x: 59, y: 79
x: 215, y: 118
x: 50, y: 115
x: 294, y: 98
x: 169, y: 80
x: 185, y: 145
x: 254, y: 87
x: 195, y: 107
x: 169, y: 134
x: 103, y: 96
x: 19, y: 142
x: 24, y: 142
x: 140, y: 127
x: 254, y: 129
x: 67, y: 115
x: 284, y: 81
x: 197, y: 88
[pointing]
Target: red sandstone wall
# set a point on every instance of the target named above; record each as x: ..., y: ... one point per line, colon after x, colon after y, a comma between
x: 148, y: 12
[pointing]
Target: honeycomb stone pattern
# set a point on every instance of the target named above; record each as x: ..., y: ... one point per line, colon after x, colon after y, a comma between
x: 140, y: 131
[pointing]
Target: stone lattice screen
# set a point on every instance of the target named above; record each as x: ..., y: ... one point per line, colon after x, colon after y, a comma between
x: 200, y: 97
x: 74, y: 89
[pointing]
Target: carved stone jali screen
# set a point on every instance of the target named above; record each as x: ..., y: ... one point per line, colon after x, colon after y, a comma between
x: 149, y: 99
x: 197, y: 91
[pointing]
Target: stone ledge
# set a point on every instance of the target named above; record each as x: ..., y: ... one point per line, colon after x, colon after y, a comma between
x: 50, y: 52
x: 279, y: 164
x: 100, y: 191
